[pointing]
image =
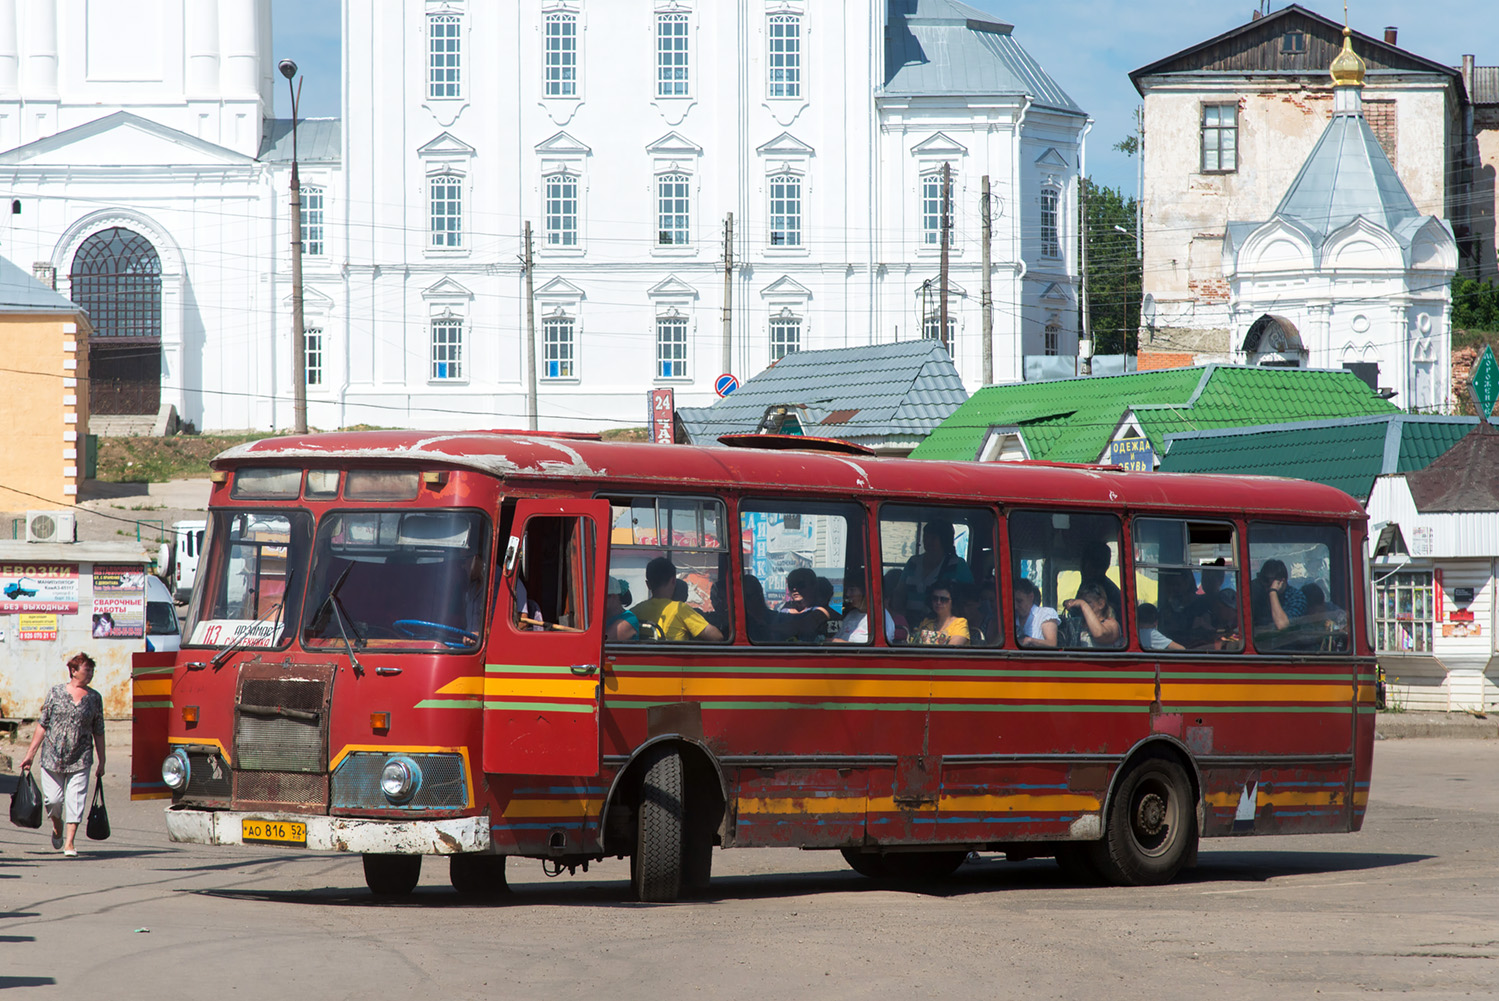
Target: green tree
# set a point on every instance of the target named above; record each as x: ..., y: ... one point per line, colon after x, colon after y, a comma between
x: 1113, y: 269
x: 1475, y: 305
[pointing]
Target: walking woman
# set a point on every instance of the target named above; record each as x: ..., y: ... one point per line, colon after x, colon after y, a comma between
x: 70, y: 731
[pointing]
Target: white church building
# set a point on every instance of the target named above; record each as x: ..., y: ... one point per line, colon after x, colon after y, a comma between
x: 1347, y: 273
x: 145, y: 174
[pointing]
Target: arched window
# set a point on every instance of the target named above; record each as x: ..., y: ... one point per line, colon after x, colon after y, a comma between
x: 116, y: 277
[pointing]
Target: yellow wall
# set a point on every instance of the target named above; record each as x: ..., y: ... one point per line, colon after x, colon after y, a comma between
x: 44, y: 397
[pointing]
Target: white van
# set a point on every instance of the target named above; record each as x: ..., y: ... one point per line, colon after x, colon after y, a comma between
x: 187, y: 545
x: 162, y: 630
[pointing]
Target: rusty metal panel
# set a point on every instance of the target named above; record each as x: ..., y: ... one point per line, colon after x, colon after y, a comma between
x: 281, y: 716
x: 800, y: 807
x: 298, y: 792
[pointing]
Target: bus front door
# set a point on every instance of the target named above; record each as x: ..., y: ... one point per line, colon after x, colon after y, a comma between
x: 542, y: 677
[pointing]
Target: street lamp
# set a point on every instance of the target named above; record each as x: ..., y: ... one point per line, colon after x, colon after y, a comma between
x: 298, y: 334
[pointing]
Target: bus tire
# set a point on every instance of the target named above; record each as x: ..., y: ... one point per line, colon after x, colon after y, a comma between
x: 392, y: 875
x: 656, y: 868
x: 476, y: 875
x: 1151, y: 827
x: 870, y: 864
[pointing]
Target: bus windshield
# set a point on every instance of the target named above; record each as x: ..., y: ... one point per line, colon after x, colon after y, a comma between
x: 399, y: 580
x: 248, y: 592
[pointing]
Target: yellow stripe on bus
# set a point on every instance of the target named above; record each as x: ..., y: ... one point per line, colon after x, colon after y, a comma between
x: 1044, y: 803
x: 155, y: 686
x: 1175, y: 691
x: 518, y: 808
x: 1262, y: 798
x: 809, y: 804
x: 900, y: 689
x: 540, y: 688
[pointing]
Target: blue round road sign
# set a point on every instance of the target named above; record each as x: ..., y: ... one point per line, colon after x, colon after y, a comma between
x: 725, y: 384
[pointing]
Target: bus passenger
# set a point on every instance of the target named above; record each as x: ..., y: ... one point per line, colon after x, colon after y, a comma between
x: 1185, y: 615
x: 942, y: 628
x: 855, y: 625
x: 1273, y: 602
x: 674, y: 619
x: 620, y: 623
x: 1151, y: 638
x: 896, y: 626
x: 804, y: 616
x: 937, y: 560
x: 1100, y: 622
x: 1095, y: 562
x: 758, y: 615
x: 1035, y: 624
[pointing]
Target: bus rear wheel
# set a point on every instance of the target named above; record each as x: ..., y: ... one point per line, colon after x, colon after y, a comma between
x: 656, y: 868
x: 478, y: 875
x: 392, y: 875
x: 1151, y: 827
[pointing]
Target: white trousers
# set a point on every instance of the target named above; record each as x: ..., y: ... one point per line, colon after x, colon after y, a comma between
x: 64, y: 795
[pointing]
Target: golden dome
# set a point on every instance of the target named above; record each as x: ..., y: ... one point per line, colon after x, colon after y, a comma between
x: 1347, y: 68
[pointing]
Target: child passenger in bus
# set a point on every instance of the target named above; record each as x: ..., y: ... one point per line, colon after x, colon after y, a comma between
x: 620, y: 624
x: 1035, y: 624
x: 1100, y: 623
x: 1147, y: 618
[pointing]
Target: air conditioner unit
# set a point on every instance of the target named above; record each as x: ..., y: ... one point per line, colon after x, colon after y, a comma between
x: 51, y: 526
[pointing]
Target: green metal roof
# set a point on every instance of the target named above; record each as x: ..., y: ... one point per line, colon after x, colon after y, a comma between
x: 1347, y: 454
x: 1073, y: 420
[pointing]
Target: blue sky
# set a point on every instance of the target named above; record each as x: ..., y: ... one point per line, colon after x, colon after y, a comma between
x: 1088, y: 46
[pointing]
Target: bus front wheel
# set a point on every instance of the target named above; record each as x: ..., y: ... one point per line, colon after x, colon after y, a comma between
x: 392, y: 875
x: 1151, y: 827
x: 478, y: 875
x: 656, y: 868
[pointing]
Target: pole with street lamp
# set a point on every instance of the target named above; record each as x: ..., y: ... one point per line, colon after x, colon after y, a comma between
x: 298, y: 334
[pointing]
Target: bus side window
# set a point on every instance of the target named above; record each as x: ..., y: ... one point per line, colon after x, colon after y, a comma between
x: 1071, y: 564
x: 1187, y: 585
x: 803, y: 562
x: 1298, y: 595
x: 668, y: 571
x: 949, y: 550
x: 550, y: 582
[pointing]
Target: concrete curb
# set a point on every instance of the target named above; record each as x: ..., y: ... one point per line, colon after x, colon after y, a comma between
x: 1464, y: 726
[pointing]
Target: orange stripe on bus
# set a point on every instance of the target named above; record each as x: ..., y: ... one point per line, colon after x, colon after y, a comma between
x: 1173, y: 691
x: 162, y: 686
x: 1231, y: 799
x: 553, y: 807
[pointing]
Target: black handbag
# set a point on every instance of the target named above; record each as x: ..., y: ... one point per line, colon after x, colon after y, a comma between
x: 26, y: 802
x: 98, y: 817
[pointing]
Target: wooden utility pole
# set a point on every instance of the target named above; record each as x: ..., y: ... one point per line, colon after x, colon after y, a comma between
x: 531, y: 407
x: 946, y: 235
x: 986, y: 291
x: 728, y: 293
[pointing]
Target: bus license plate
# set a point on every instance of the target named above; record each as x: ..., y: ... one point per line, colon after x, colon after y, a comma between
x: 274, y: 832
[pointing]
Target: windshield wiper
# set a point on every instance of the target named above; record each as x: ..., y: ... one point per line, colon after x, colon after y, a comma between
x: 338, y: 610
x: 228, y: 651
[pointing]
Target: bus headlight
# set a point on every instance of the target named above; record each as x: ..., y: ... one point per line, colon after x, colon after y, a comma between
x: 176, y: 770
x: 400, y: 779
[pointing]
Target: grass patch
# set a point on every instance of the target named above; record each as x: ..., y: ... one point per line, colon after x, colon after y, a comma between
x: 156, y: 460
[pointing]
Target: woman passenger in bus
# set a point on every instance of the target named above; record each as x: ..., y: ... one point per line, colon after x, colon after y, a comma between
x: 758, y: 616
x: 1100, y: 622
x: 1035, y: 624
x: 943, y: 628
x: 855, y: 625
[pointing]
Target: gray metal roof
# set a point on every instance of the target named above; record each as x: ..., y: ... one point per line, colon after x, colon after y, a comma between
x: 1347, y: 175
x: 942, y: 47
x: 1485, y: 85
x: 21, y: 293
x: 319, y: 140
x: 875, y: 394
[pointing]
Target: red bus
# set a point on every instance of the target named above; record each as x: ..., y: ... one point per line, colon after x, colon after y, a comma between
x: 493, y: 644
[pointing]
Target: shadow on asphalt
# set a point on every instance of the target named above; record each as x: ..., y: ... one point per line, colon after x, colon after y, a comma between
x: 6, y: 982
x: 988, y: 874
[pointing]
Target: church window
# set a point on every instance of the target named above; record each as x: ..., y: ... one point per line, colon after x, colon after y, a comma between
x: 673, y: 215
x: 443, y: 56
x: 1220, y: 138
x: 312, y: 221
x: 447, y: 210
x: 561, y: 55
x: 1053, y: 337
x: 1293, y: 43
x: 784, y: 55
x: 931, y: 328
x: 116, y: 277
x: 447, y: 348
x: 785, y: 210
x: 671, y: 55
x: 785, y: 335
x: 559, y: 347
x: 313, y: 337
x: 671, y: 345
x: 931, y: 210
x: 561, y: 210
x: 1051, y: 245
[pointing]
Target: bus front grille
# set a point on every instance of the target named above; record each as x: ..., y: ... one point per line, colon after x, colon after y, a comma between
x: 281, y: 735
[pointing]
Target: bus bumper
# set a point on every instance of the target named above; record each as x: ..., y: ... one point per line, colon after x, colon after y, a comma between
x: 337, y: 834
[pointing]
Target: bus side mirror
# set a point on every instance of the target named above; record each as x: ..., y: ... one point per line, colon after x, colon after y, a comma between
x: 512, y: 550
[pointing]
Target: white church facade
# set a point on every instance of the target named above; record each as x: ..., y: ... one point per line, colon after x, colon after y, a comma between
x: 1347, y: 273
x: 148, y: 179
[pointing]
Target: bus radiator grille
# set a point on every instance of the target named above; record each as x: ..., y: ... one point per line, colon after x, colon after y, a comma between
x: 356, y: 783
x: 281, y: 717
x: 295, y: 791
